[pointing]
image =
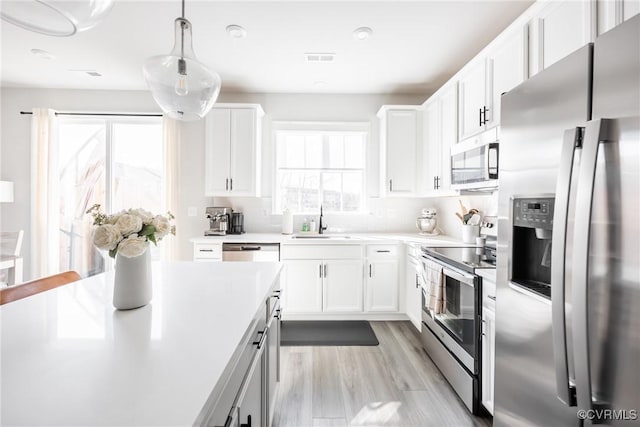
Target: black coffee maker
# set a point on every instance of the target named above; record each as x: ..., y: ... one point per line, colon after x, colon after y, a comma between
x: 237, y: 223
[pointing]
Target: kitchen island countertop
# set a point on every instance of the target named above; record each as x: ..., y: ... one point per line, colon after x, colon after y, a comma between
x: 70, y: 358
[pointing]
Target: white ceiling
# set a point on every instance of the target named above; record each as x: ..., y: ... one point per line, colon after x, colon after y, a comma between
x: 415, y: 47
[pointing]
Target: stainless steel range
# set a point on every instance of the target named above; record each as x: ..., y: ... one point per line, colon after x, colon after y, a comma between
x: 451, y: 314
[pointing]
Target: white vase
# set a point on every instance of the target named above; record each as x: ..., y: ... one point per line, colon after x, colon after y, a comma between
x: 132, y: 287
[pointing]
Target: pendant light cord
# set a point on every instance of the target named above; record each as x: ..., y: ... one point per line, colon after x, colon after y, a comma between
x: 182, y: 24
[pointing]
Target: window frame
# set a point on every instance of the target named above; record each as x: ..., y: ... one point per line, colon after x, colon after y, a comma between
x: 323, y: 128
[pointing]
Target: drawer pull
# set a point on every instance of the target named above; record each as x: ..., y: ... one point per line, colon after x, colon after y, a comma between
x: 493, y: 297
x: 383, y: 251
x: 206, y: 250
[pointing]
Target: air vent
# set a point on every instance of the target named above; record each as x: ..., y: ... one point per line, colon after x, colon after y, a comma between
x: 320, y: 57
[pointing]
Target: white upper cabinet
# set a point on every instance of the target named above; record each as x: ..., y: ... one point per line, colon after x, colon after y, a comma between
x: 503, y: 67
x: 399, y: 139
x: 472, y: 100
x: 448, y: 100
x: 559, y: 29
x: 232, y: 150
x: 432, y: 144
x: 440, y: 133
x: 614, y: 12
x: 507, y: 67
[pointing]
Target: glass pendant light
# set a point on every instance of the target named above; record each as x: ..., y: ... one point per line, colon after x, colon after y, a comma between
x: 55, y: 17
x: 182, y: 86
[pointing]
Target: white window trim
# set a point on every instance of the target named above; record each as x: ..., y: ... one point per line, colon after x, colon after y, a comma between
x: 311, y: 126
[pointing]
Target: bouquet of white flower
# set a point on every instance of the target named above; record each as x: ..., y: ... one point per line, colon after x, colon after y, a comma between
x: 128, y: 232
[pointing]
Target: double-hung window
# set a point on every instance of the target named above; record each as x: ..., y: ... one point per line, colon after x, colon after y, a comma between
x: 320, y: 164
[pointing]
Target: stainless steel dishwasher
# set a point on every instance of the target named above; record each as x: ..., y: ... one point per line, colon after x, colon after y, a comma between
x: 251, y: 252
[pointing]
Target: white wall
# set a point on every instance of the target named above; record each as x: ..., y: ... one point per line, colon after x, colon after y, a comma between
x: 383, y: 214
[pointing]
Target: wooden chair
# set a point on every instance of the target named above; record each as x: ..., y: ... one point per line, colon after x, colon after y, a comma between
x: 14, y: 293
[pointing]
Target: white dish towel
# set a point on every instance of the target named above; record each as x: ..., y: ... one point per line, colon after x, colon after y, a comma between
x: 435, y: 296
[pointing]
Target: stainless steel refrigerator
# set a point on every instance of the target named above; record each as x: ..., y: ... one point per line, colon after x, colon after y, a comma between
x: 568, y: 271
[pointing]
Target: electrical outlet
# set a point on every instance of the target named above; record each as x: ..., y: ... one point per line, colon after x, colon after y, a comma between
x: 192, y: 211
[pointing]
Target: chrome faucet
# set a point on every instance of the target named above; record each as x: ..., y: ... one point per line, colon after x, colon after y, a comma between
x: 321, y: 227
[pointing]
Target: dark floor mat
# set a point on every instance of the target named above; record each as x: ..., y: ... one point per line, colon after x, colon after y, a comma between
x: 327, y: 332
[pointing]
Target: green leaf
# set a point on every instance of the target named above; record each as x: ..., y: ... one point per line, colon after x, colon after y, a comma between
x: 113, y: 252
x: 147, y: 230
x: 152, y: 237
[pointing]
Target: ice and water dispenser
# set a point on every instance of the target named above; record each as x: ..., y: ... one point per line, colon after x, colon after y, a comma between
x: 532, y: 222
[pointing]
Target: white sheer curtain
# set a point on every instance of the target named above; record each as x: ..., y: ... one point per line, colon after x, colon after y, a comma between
x: 44, y: 193
x: 171, y: 136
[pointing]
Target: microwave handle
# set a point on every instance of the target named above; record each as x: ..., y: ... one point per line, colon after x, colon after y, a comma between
x: 490, y: 167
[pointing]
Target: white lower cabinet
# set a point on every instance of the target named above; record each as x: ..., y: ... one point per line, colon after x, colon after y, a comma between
x: 413, y: 288
x: 381, y: 283
x: 322, y: 279
x: 303, y: 286
x: 342, y: 290
x: 207, y: 252
x: 324, y: 286
x: 334, y: 280
x: 382, y: 286
x: 488, y: 344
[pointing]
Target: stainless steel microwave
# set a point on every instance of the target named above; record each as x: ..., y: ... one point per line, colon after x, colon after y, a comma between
x: 474, y: 164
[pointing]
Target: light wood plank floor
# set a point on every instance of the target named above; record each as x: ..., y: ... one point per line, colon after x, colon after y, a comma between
x: 393, y: 384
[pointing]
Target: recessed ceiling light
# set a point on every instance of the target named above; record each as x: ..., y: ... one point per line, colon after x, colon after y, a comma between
x: 43, y: 54
x: 362, y: 33
x: 236, y: 32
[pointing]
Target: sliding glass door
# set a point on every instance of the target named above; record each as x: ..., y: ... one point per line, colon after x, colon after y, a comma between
x: 117, y: 163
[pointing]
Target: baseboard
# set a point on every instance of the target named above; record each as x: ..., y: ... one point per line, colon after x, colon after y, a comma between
x: 344, y: 316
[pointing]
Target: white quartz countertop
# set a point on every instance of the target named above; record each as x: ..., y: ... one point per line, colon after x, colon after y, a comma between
x: 335, y: 238
x: 69, y: 358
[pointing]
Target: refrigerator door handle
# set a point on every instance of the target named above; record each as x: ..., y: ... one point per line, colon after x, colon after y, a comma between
x: 571, y: 142
x: 595, y: 134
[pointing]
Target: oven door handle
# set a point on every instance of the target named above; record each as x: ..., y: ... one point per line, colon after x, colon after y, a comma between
x: 462, y: 278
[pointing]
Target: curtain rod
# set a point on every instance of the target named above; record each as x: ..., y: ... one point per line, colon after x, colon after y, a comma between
x: 103, y: 114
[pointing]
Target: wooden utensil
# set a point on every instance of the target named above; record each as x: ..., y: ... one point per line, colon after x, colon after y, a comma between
x: 464, y: 209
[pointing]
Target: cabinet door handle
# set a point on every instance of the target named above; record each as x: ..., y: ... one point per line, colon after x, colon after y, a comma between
x: 226, y: 184
x: 248, y: 424
x: 484, y: 113
x: 320, y: 270
x: 206, y: 250
x: 383, y: 251
x: 417, y: 281
x: 434, y: 183
x: 325, y: 270
x: 480, y: 117
x: 370, y: 271
x: 231, y: 184
x: 390, y: 185
x: 491, y: 297
x: 437, y: 182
